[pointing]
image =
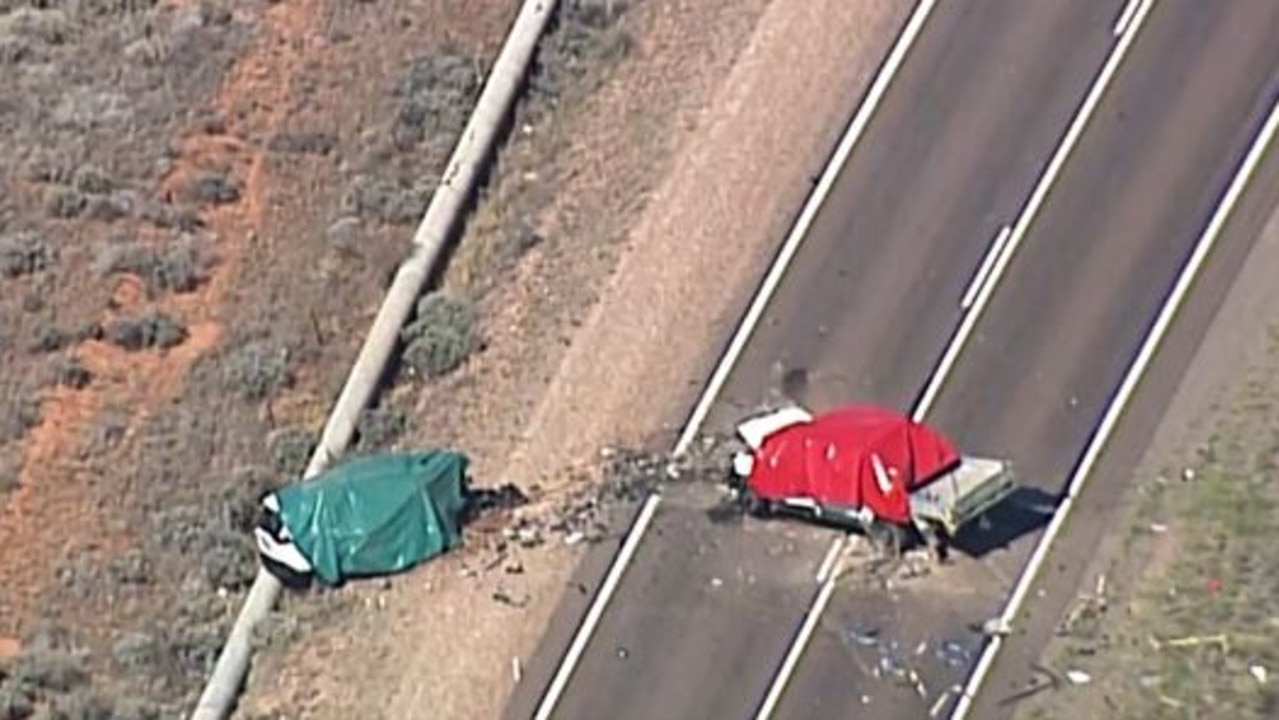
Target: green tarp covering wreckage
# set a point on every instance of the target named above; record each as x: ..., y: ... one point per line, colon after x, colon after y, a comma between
x: 378, y: 514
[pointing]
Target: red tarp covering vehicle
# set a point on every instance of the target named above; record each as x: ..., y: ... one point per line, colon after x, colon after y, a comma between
x: 859, y: 458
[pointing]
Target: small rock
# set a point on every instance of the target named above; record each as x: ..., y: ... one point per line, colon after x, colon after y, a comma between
x: 1158, y: 528
x: 574, y: 537
x: 1259, y: 672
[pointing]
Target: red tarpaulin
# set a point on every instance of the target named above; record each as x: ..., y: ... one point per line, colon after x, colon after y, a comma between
x: 853, y: 456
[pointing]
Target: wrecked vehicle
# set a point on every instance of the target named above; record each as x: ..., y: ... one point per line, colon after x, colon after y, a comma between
x: 868, y: 468
x: 373, y: 515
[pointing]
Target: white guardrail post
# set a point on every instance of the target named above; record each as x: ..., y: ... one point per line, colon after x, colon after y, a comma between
x: 472, y: 152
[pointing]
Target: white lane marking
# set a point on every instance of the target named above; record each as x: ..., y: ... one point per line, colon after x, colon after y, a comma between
x: 1135, y: 373
x: 984, y: 291
x: 797, y: 234
x: 983, y: 271
x: 1031, y: 210
x: 800, y: 643
x: 828, y: 563
x: 1125, y: 17
x: 560, y: 681
x: 845, y: 148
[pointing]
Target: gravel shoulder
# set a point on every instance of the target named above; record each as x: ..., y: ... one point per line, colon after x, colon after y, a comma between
x: 1176, y: 617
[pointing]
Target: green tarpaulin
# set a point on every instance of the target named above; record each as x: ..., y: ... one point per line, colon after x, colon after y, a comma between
x: 376, y: 515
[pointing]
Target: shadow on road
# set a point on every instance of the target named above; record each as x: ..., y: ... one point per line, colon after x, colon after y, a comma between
x: 1025, y: 511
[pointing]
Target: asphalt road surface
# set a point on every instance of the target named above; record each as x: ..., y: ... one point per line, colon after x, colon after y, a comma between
x: 708, y: 609
x: 1065, y: 324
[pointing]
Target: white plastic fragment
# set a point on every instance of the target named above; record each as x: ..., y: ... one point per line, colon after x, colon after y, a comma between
x: 1078, y: 677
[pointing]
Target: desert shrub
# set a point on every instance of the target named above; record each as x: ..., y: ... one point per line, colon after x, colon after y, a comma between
x: 19, y: 418
x: 50, y: 661
x: 258, y: 370
x: 46, y: 166
x: 435, y: 97
x: 380, y: 427
x: 152, y: 329
x: 135, y: 650
x: 111, y: 8
x: 50, y: 338
x: 42, y: 25
x: 24, y: 253
x: 585, y: 36
x: 65, y: 204
x: 165, y: 215
x: 109, y: 208
x: 291, y: 449
x: 92, y: 180
x: 227, y: 558
x: 442, y: 335
x: 17, y: 701
x: 212, y: 188
x: 387, y: 201
x: 131, y: 568
x: 303, y: 143
x: 71, y: 373
x: 179, y: 267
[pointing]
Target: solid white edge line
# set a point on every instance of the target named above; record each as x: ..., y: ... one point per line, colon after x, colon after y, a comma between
x: 583, y: 636
x: 800, y: 230
x: 1135, y: 373
x: 983, y: 270
x: 797, y: 647
x: 815, y: 200
x: 828, y: 562
x: 1031, y: 210
x: 1125, y: 16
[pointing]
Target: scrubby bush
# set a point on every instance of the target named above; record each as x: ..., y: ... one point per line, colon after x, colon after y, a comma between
x: 436, y: 94
x: 180, y: 267
x: 303, y: 143
x: 65, y: 204
x: 50, y: 338
x: 72, y: 374
x: 153, y: 329
x: 387, y: 201
x: 441, y: 336
x: 50, y: 661
x: 109, y: 208
x: 92, y: 180
x: 45, y: 166
x: 24, y: 253
x: 258, y: 370
x: 212, y: 188
x: 380, y: 427
x: 19, y: 418
x: 164, y: 215
x: 584, y: 37
x: 291, y: 449
x: 17, y: 701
